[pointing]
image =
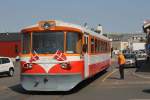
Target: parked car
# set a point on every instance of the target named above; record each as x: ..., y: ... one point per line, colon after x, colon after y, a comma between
x: 6, y: 66
x: 140, y: 59
x: 130, y: 60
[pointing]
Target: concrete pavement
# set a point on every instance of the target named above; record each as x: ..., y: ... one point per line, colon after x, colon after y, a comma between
x: 104, y: 86
x: 143, y: 71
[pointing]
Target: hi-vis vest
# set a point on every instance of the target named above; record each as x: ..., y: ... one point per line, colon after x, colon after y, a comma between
x: 121, y: 59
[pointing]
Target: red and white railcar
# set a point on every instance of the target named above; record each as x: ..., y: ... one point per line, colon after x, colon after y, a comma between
x: 56, y: 55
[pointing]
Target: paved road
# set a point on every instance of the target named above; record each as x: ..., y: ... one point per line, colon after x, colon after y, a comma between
x: 104, y: 86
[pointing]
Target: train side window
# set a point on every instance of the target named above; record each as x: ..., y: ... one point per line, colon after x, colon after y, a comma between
x: 85, y: 45
x: 109, y: 49
x: 92, y: 45
x: 102, y: 48
x: 106, y: 49
x: 99, y: 46
x: 107, y: 46
x: 95, y: 45
x: 85, y: 48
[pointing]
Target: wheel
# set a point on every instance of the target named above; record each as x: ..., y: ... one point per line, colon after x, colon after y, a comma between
x: 11, y: 72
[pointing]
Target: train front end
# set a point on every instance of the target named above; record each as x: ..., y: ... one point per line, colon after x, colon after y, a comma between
x: 51, y: 57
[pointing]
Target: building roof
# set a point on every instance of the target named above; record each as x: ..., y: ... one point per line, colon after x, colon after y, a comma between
x: 126, y: 37
x: 9, y: 36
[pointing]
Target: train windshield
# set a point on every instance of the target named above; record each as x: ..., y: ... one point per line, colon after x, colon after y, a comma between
x: 51, y: 41
x: 73, y: 42
x: 48, y: 42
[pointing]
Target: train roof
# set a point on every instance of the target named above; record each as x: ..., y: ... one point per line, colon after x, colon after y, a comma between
x: 65, y: 24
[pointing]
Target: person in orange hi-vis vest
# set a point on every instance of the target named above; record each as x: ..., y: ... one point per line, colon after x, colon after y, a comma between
x: 121, y: 62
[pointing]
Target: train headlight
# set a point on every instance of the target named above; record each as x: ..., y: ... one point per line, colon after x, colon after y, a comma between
x: 65, y: 66
x: 46, y: 25
x: 27, y: 66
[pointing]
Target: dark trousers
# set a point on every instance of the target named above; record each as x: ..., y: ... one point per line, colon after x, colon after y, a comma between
x: 121, y: 70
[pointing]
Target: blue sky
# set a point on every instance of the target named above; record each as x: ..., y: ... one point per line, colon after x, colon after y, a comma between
x: 113, y: 15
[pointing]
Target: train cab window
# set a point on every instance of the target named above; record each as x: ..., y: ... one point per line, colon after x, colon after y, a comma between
x: 25, y: 38
x: 48, y: 42
x: 92, y: 45
x: 73, y: 42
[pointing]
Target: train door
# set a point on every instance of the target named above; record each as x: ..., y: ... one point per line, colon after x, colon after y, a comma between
x: 86, y: 56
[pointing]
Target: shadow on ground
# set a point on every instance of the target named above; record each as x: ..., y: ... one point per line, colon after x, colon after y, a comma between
x: 146, y: 91
x: 4, y: 76
x: 18, y: 88
x: 144, y: 67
